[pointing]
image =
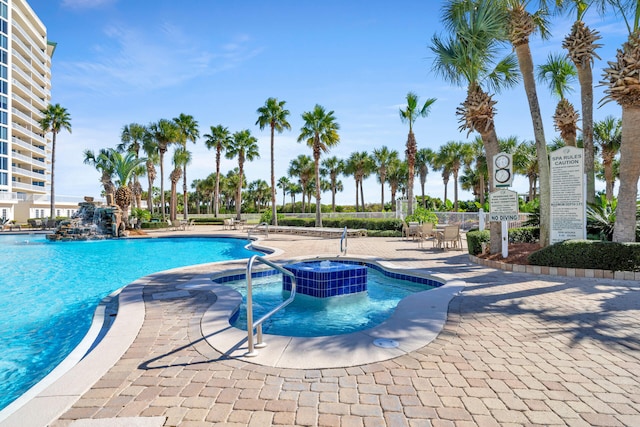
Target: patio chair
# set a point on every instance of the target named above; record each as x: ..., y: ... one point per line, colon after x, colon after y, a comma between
x: 426, y: 233
x: 450, y: 234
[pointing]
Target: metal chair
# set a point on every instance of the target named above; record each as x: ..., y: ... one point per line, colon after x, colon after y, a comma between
x: 450, y: 234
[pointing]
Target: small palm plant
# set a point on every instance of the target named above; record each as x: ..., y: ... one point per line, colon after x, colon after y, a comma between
x: 601, y: 217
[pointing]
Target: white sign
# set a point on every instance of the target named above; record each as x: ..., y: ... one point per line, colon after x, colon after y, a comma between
x: 503, y: 205
x: 567, y: 195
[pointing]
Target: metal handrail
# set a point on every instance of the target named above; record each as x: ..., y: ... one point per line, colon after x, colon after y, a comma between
x: 266, y: 226
x: 343, y: 251
x: 257, y: 325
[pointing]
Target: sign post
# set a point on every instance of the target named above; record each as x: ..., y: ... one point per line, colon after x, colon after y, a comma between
x: 503, y: 206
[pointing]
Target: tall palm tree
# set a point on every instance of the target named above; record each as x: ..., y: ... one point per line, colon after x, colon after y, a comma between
x: 274, y: 115
x: 55, y: 118
x: 104, y: 165
x: 424, y: 159
x: 302, y: 167
x: 320, y: 132
x: 581, y: 44
x: 471, y: 56
x: 382, y: 157
x: 181, y: 158
x: 219, y: 138
x: 442, y: 162
x: 621, y: 80
x: 132, y: 137
x: 163, y: 133
x: 333, y: 167
x: 244, y: 146
x: 409, y: 115
x: 559, y: 73
x: 359, y: 165
x: 187, y: 131
x: 607, y: 134
x: 457, y: 154
x: 521, y: 25
x: 150, y: 148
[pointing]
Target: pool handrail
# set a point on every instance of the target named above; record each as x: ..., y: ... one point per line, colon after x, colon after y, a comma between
x: 343, y: 251
x: 257, y: 325
x: 256, y: 227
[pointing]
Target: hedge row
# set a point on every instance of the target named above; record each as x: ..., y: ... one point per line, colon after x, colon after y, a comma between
x: 373, y: 224
x: 596, y: 254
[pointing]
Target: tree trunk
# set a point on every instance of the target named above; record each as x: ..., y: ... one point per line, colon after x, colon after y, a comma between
x: 362, y: 195
x: 411, y: 163
x: 216, y: 194
x: 625, y: 225
x: 455, y: 190
x: 526, y: 69
x: 52, y: 207
x: 585, y: 77
x: 162, y: 206
x: 185, y: 196
x: 607, y: 164
x: 491, y: 148
x: 318, y: 192
x: 274, y: 208
x: 357, y: 196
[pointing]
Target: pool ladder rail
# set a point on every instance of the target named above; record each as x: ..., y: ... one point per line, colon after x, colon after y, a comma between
x: 343, y: 249
x: 257, y: 325
x: 257, y: 229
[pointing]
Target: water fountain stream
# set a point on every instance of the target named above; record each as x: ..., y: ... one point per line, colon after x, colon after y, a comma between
x: 91, y: 221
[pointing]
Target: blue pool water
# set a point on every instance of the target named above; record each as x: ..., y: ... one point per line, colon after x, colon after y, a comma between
x: 50, y: 290
x: 309, y: 316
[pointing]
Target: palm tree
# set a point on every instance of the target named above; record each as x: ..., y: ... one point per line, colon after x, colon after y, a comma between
x: 382, y: 157
x: 525, y: 162
x: 123, y: 167
x: 457, y: 155
x: 220, y: 139
x: 320, y: 132
x: 187, y: 131
x: 442, y: 162
x: 163, y: 133
x: 559, y: 73
x: 333, y: 167
x: 302, y: 167
x: 103, y: 164
x: 244, y: 146
x: 181, y: 158
x: 397, y: 177
x: 54, y: 119
x: 581, y: 44
x: 621, y: 79
x: 132, y: 137
x: 360, y: 165
x: 150, y: 148
x: 469, y: 57
x: 409, y: 115
x: 607, y: 134
x: 481, y: 168
x: 284, y: 184
x: 274, y: 115
x: 424, y: 159
x: 521, y: 25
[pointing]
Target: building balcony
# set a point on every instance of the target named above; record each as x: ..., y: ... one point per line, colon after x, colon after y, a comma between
x: 30, y: 147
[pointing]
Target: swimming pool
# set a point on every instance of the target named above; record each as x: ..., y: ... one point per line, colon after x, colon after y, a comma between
x: 309, y: 316
x: 50, y: 290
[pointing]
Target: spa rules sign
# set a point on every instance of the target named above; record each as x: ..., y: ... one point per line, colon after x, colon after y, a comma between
x: 567, y: 194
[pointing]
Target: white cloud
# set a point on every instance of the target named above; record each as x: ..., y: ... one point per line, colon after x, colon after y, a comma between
x: 128, y: 59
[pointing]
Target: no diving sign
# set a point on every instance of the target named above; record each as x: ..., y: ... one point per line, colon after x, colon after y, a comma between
x: 503, y: 205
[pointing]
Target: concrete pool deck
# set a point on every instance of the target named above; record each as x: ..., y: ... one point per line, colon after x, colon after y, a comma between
x: 516, y: 349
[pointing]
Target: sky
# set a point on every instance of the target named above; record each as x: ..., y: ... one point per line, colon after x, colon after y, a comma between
x: 119, y: 62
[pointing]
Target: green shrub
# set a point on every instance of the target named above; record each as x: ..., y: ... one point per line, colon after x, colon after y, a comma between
x: 384, y: 233
x: 154, y: 225
x: 599, y: 254
x: 373, y: 224
x: 421, y: 215
x: 475, y: 239
x: 524, y: 235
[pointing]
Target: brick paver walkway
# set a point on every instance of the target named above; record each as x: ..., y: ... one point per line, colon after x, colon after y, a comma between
x: 516, y: 350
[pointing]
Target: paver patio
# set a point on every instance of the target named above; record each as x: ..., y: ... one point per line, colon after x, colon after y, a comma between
x: 516, y: 349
